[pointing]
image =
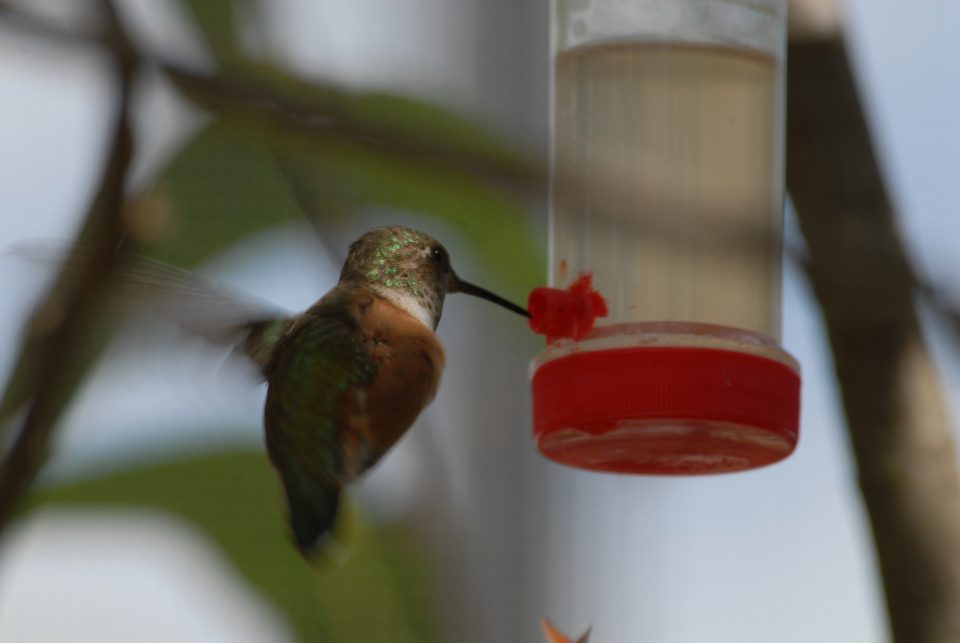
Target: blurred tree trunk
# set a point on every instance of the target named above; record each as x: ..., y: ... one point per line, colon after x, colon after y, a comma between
x: 894, y: 404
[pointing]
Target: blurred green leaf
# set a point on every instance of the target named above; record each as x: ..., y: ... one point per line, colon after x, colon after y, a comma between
x: 413, y: 118
x: 380, y: 593
x: 217, y: 20
x: 223, y: 186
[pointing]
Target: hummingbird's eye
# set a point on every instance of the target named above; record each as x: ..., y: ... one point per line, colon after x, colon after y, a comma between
x: 438, y: 254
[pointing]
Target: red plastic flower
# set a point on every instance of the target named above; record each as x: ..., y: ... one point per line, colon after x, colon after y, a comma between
x: 570, y: 313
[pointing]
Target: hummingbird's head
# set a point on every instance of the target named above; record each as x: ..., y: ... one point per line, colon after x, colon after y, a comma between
x: 412, y: 270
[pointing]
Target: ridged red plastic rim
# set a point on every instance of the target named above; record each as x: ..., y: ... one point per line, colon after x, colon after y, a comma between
x: 713, y: 392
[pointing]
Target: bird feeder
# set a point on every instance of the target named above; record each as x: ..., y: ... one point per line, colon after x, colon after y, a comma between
x: 667, y: 150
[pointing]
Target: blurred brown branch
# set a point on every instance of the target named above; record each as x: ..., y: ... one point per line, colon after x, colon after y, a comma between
x: 894, y: 405
x: 69, y: 310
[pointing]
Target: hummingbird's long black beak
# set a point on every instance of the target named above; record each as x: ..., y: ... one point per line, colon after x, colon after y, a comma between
x: 468, y: 288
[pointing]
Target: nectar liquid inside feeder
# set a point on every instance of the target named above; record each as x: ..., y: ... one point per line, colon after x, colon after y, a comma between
x: 668, y: 188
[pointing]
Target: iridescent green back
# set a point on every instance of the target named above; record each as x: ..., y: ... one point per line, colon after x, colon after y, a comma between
x: 318, y: 360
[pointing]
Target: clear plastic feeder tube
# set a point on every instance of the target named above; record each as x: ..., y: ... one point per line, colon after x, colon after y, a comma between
x: 667, y: 166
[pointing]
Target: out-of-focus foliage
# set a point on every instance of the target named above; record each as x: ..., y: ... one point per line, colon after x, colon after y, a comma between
x: 217, y: 20
x: 376, y: 594
x: 223, y: 186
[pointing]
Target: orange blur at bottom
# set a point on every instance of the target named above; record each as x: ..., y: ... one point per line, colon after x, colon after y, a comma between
x: 553, y: 636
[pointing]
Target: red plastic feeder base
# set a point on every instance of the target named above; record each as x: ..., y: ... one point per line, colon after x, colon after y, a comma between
x: 658, y: 409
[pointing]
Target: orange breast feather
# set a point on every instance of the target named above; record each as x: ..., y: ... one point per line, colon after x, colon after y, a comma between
x: 409, y: 361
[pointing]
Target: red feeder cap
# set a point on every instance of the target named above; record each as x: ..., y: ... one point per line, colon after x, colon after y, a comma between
x: 665, y: 410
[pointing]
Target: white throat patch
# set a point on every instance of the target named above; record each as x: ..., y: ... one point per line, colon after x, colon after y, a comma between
x: 409, y: 304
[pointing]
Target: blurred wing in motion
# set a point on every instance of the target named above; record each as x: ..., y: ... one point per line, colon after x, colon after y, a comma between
x: 200, y: 305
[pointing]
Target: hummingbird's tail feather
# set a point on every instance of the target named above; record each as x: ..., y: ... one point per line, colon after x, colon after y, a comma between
x: 313, y: 511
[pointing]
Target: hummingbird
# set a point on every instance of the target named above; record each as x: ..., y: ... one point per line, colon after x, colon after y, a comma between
x: 349, y: 376
x: 346, y: 378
